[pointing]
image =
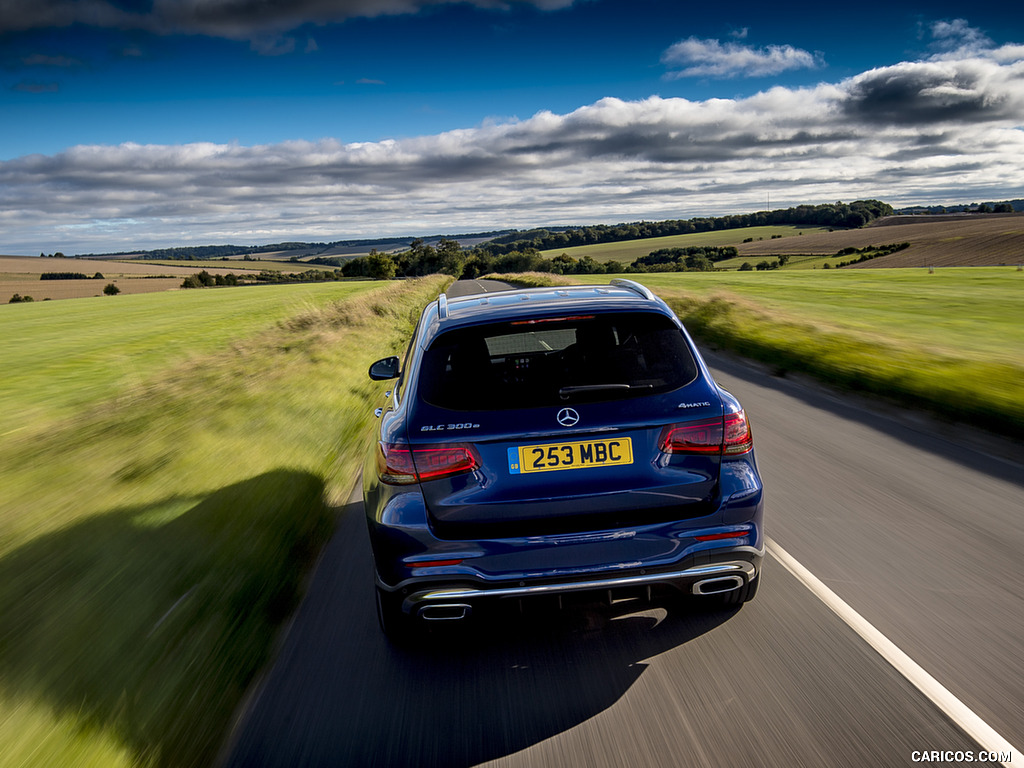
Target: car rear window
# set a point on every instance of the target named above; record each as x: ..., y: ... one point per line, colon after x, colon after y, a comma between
x: 556, y: 360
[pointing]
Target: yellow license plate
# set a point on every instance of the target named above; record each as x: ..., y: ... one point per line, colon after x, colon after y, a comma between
x: 582, y: 454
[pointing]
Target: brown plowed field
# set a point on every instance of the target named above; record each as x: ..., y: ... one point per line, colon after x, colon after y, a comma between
x: 20, y: 274
x: 41, y: 290
x: 32, y: 265
x: 937, y: 241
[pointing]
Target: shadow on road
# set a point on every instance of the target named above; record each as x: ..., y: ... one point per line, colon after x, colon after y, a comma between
x: 340, y: 694
x: 145, y: 623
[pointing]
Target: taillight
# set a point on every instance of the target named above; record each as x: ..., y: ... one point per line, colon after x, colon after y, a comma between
x: 401, y: 464
x: 729, y: 435
x: 693, y: 437
x: 737, y: 434
x: 437, y: 461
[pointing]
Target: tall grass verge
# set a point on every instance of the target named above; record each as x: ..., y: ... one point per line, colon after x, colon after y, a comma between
x: 986, y: 394
x: 151, y: 544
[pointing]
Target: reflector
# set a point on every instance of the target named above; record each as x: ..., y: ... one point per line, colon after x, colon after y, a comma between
x: 724, y: 535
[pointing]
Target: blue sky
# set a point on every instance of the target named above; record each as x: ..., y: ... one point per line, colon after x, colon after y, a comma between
x: 148, y: 123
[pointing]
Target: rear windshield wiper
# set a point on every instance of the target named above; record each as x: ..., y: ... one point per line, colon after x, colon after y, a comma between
x: 584, y: 388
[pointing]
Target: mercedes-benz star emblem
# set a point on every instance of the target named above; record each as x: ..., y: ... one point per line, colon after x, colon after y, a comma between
x: 567, y: 417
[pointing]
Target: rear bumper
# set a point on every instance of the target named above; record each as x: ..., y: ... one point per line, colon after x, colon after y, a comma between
x: 456, y: 600
x: 419, y: 571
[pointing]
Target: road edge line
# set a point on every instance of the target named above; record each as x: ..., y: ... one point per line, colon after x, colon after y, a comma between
x: 984, y: 734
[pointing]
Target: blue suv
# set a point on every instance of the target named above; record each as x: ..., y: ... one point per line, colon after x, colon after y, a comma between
x: 553, y: 441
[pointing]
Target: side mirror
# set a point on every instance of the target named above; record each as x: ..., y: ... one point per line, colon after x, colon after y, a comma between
x: 388, y: 368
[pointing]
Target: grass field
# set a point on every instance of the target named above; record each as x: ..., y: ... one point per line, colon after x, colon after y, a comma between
x: 975, y: 314
x: 629, y: 250
x: 170, y: 466
x: 951, y: 341
x: 72, y: 353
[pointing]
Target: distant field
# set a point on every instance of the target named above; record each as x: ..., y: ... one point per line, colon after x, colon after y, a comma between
x: 238, y: 266
x: 20, y: 274
x: 799, y: 262
x: 396, y: 246
x: 939, y: 241
x: 41, y: 290
x: 966, y: 241
x: 302, y: 253
x: 29, y: 265
x: 629, y: 250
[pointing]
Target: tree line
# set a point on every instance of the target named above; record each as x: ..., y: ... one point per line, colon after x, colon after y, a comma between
x: 267, y: 276
x: 839, y: 214
x: 1007, y: 206
x: 69, y: 276
x: 449, y: 258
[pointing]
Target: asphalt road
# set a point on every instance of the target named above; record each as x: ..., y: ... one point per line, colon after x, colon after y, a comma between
x: 469, y: 287
x: 920, y: 533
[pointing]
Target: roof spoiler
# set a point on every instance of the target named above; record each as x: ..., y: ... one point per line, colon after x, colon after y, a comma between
x: 633, y: 286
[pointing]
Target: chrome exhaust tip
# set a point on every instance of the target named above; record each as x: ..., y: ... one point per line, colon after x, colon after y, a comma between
x: 717, y: 585
x: 445, y: 612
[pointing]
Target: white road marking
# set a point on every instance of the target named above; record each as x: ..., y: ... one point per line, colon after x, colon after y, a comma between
x: 986, y: 736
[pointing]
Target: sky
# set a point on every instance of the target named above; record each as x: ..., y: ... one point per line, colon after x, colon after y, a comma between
x: 141, y: 124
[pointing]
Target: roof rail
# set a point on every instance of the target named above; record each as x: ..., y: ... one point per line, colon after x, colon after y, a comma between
x: 442, y: 307
x: 633, y: 286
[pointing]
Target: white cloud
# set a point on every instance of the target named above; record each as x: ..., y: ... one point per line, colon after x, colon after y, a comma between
x: 958, y: 37
x: 694, y: 57
x: 1006, y: 54
x: 912, y: 132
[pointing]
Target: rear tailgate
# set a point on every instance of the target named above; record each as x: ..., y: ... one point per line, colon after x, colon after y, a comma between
x: 602, y: 469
